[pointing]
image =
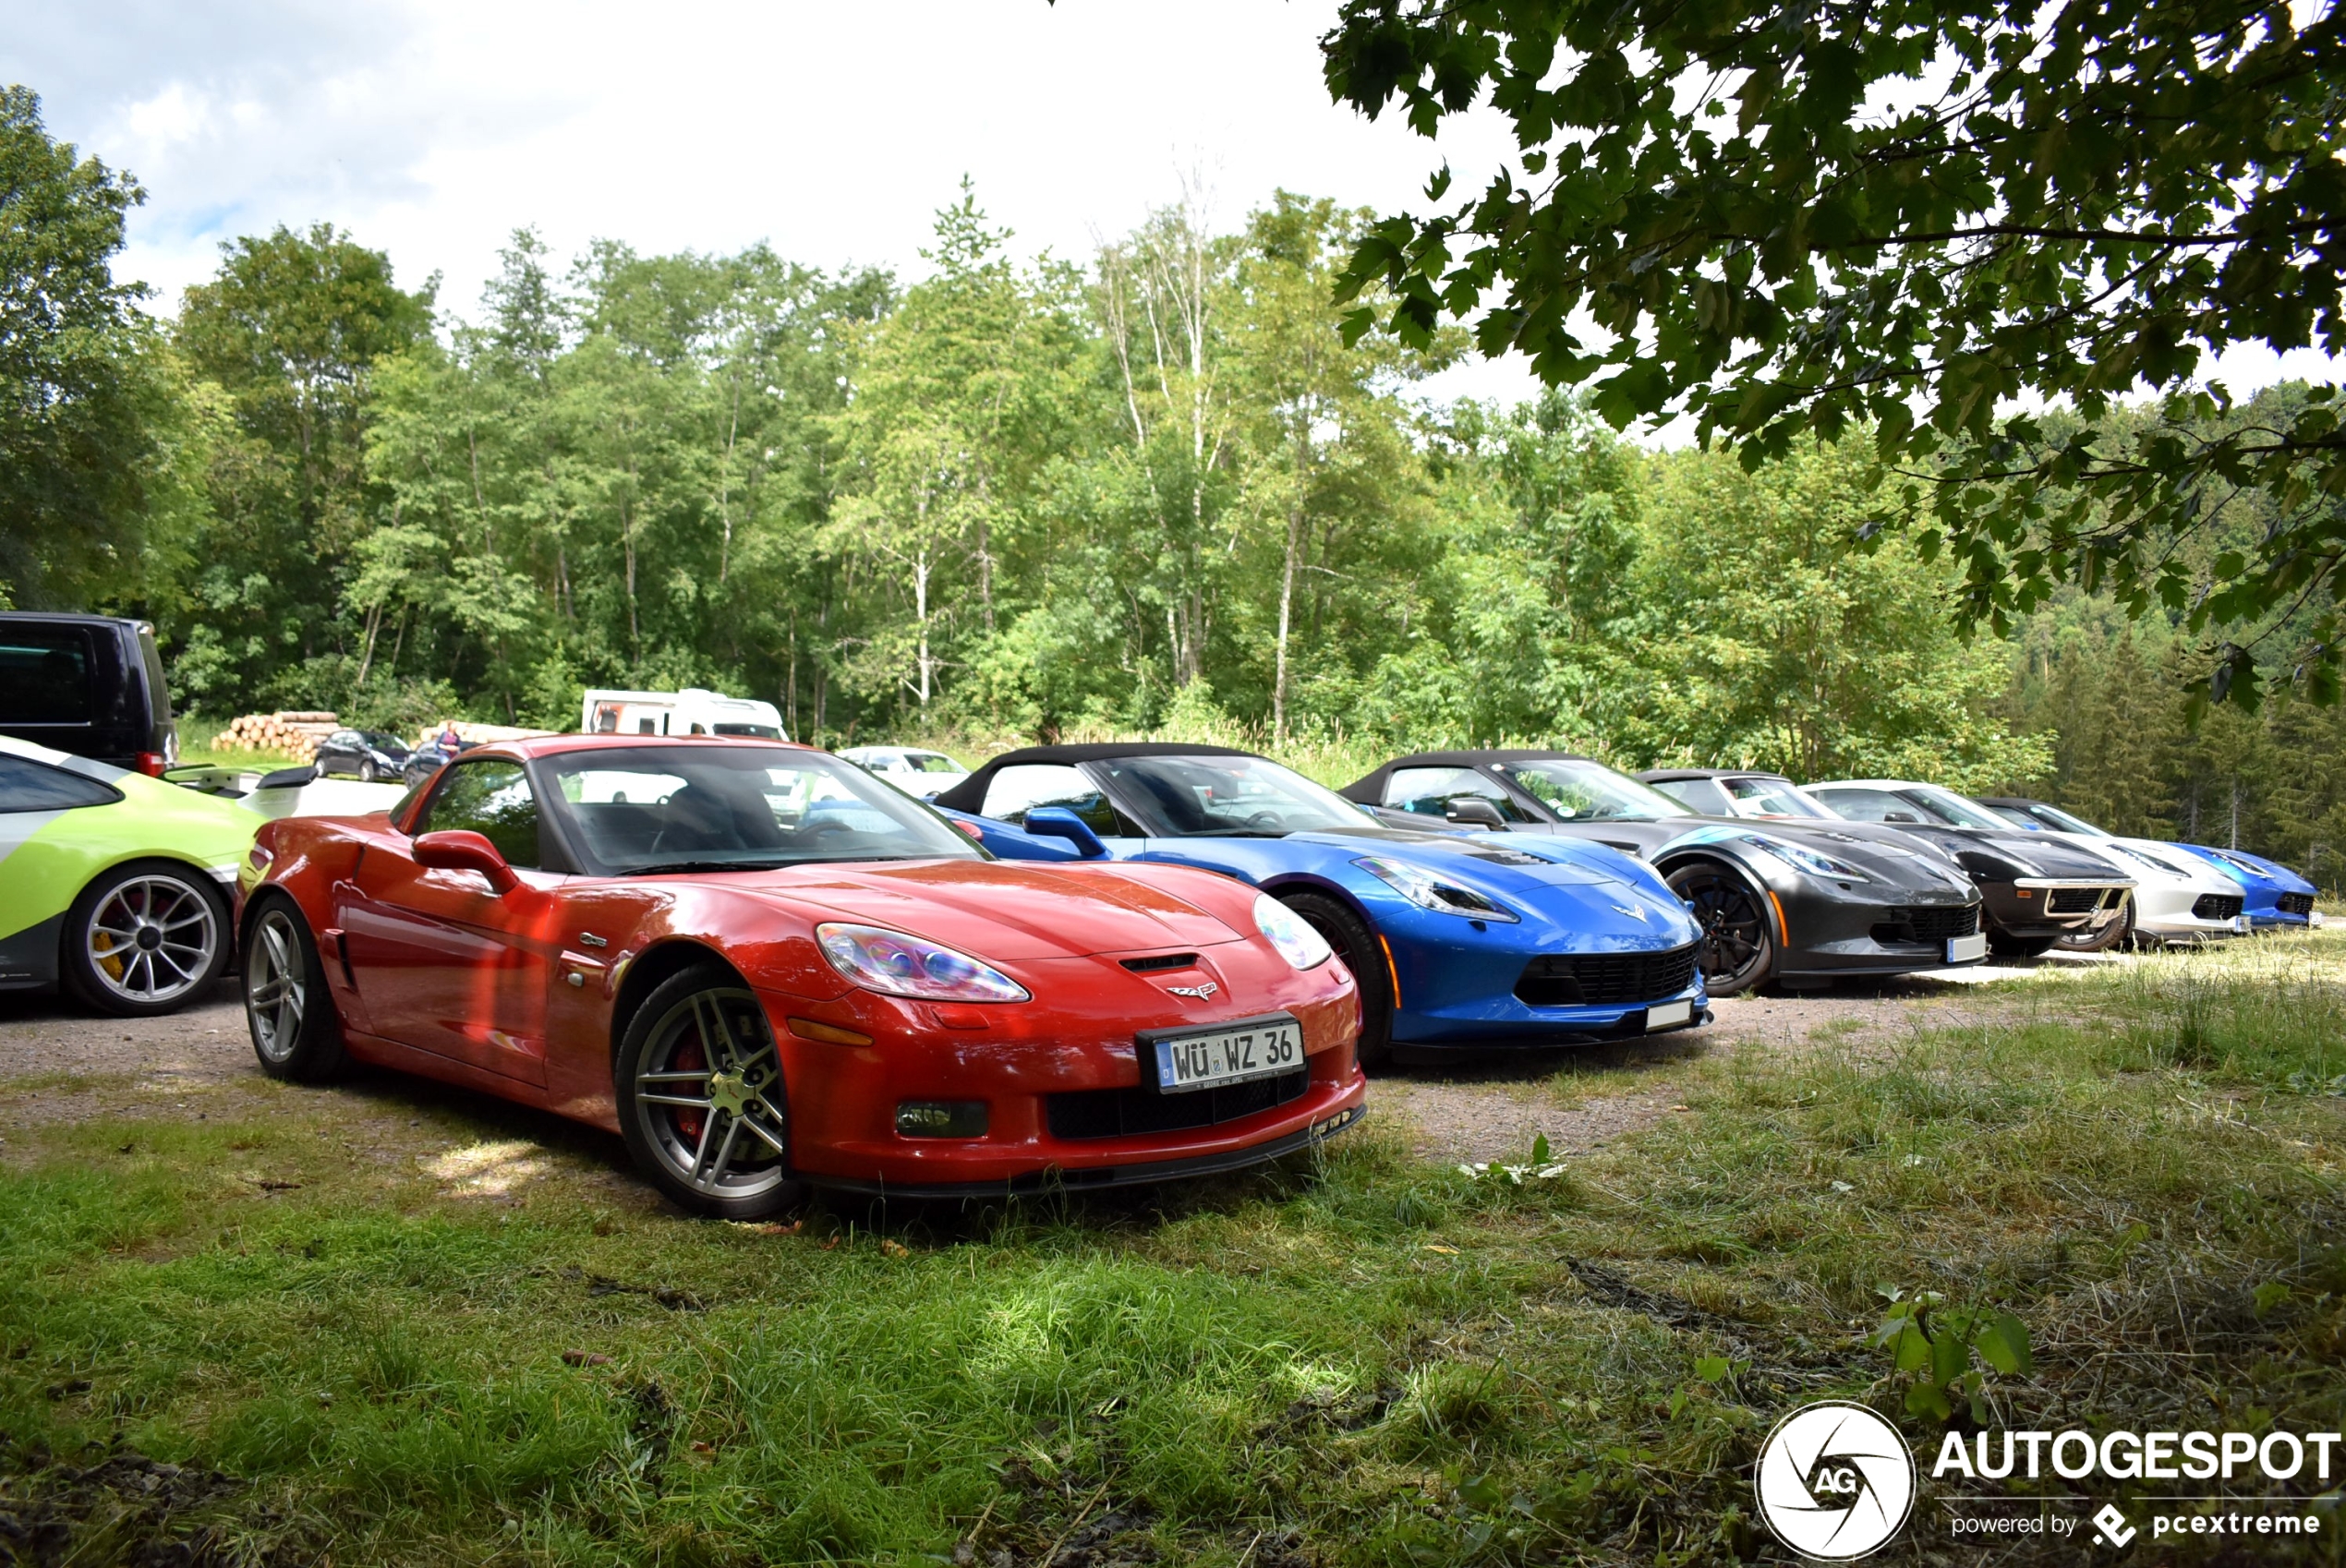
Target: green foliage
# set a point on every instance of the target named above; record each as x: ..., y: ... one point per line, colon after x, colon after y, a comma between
x: 1908, y: 219
x: 1933, y: 1345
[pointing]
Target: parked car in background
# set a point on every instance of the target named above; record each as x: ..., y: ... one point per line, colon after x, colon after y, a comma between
x: 1799, y: 903
x: 2278, y: 899
x: 911, y: 769
x: 1456, y: 940
x: 765, y: 969
x: 367, y: 755
x: 2035, y: 890
x: 112, y: 884
x: 426, y: 759
x: 88, y: 685
x: 693, y: 711
x: 2177, y: 897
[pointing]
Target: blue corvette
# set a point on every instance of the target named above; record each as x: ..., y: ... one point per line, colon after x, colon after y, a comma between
x: 1456, y: 939
x: 2278, y: 899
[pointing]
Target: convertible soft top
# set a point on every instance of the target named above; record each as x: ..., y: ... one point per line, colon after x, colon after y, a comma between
x: 1369, y: 789
x: 969, y: 795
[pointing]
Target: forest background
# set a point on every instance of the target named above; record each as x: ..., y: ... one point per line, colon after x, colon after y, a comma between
x: 1150, y: 489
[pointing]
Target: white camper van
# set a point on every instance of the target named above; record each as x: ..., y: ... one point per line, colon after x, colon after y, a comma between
x: 689, y: 712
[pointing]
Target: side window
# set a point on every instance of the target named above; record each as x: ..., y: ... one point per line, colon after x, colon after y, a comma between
x: 25, y: 785
x: 1015, y: 790
x: 1427, y: 791
x: 492, y: 799
x: 1704, y: 797
x: 1858, y: 805
x: 45, y: 676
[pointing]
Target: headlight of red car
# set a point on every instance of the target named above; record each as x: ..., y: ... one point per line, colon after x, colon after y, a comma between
x: 1291, y: 933
x: 899, y: 965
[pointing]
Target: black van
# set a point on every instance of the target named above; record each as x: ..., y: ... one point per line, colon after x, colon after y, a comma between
x: 88, y: 684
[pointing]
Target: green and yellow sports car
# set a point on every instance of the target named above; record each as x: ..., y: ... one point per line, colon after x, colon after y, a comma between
x: 116, y: 885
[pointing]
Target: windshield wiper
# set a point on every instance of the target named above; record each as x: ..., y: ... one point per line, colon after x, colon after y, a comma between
x: 1240, y: 833
x: 671, y: 867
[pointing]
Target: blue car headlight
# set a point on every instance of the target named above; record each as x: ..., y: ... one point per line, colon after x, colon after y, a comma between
x: 1291, y: 933
x: 1430, y: 892
x: 1805, y: 859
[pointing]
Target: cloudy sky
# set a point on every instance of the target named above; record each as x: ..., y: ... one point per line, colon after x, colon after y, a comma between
x: 432, y: 128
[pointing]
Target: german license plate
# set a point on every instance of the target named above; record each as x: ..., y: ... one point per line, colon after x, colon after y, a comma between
x: 1670, y: 1014
x: 1963, y: 949
x: 2240, y: 924
x: 1263, y: 1049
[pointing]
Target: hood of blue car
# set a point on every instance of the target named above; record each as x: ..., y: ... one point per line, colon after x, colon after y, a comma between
x: 1481, y: 860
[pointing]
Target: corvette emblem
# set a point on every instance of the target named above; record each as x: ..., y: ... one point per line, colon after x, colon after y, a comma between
x: 1633, y: 912
x: 1200, y: 992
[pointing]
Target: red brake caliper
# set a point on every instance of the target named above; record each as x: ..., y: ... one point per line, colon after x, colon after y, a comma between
x: 690, y: 1058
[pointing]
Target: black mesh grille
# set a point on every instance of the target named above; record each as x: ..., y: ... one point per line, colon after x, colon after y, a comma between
x: 1928, y: 927
x: 1598, y: 980
x: 2217, y: 905
x: 2074, y: 900
x: 1124, y: 1113
x: 2296, y: 903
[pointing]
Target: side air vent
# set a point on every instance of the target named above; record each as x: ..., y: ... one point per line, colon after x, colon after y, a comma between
x: 1159, y: 960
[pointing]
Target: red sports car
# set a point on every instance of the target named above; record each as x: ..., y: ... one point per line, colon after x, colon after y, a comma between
x: 764, y: 967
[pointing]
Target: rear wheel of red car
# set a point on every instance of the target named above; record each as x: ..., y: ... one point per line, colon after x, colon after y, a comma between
x: 145, y: 938
x: 701, y: 1099
x: 1738, y: 935
x: 1364, y: 955
x: 295, y: 1031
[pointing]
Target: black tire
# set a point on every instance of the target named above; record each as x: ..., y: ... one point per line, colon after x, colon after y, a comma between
x: 701, y: 1098
x: 145, y: 938
x: 367, y: 771
x: 289, y: 1009
x: 1357, y: 946
x: 2114, y: 934
x: 1739, y: 951
x: 2005, y: 947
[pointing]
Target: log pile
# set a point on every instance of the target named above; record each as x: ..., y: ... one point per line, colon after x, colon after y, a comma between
x: 295, y: 734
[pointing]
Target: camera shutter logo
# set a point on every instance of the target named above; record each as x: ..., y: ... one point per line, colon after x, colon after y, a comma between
x: 1835, y: 1481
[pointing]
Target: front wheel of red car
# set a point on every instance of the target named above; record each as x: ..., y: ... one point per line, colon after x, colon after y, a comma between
x: 295, y: 1031
x: 701, y: 1098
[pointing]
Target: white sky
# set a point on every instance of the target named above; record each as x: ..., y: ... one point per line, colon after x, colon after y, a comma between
x: 432, y: 128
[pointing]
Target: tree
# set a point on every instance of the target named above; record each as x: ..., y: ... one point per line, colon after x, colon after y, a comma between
x: 96, y: 431
x: 1917, y: 217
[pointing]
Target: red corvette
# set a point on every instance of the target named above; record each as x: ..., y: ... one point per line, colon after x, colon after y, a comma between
x: 764, y: 967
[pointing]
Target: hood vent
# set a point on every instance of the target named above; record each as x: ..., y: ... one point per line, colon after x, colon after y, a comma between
x: 1160, y: 960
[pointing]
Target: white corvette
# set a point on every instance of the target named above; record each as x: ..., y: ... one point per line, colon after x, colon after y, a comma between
x: 2177, y: 897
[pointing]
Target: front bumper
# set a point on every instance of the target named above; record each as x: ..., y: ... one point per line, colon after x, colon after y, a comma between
x: 2047, y: 906
x: 1826, y: 933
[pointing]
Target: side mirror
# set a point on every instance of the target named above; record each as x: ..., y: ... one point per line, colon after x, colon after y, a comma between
x: 1473, y: 809
x: 1901, y: 816
x: 462, y: 849
x: 1058, y: 821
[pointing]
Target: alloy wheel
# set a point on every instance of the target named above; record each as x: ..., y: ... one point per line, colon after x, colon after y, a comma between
x: 1734, y: 928
x: 708, y: 1096
x: 153, y: 939
x: 276, y: 985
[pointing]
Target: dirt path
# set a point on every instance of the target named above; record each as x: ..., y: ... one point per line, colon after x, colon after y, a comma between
x: 1492, y: 1106
x: 60, y: 1064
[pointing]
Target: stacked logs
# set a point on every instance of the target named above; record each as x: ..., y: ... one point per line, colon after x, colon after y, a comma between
x: 295, y: 734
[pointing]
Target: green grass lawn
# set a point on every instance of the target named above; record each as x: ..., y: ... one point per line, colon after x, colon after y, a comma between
x: 413, y: 1327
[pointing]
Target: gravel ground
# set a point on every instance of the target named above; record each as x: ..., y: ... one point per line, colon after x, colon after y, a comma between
x: 59, y: 1064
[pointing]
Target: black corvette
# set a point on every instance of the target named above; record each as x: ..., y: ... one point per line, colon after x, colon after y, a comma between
x: 1800, y: 903
x: 2035, y: 890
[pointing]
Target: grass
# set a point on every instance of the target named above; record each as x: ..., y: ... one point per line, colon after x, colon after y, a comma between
x: 1365, y: 1360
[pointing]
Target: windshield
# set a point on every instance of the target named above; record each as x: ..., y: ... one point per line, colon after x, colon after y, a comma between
x: 1589, y: 791
x: 2068, y: 824
x: 1193, y: 797
x: 705, y: 808
x: 932, y: 762
x: 1953, y: 807
x: 1771, y: 796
